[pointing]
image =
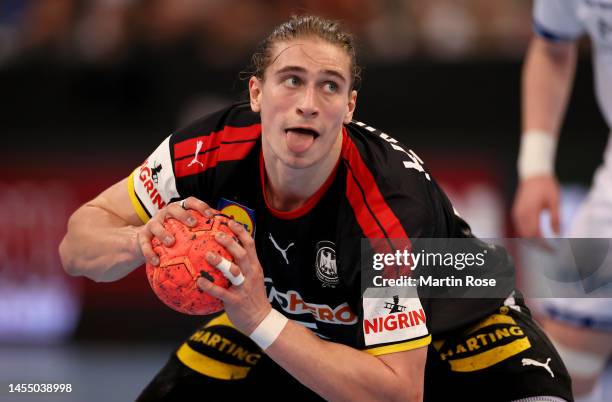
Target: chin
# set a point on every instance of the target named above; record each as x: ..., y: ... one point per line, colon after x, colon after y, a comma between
x: 298, y: 162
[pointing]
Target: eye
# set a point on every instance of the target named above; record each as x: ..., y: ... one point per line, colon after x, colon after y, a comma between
x: 292, y: 81
x: 331, y: 87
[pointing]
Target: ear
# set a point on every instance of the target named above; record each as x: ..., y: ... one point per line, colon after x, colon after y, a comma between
x: 351, y: 107
x: 255, y: 88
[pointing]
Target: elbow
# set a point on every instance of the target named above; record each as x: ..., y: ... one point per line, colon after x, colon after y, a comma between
x: 415, y: 395
x: 409, y: 393
x: 66, y: 258
x: 406, y: 391
x: 72, y: 265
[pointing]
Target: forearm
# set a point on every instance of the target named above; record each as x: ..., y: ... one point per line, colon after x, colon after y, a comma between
x: 99, y: 245
x: 548, y: 75
x: 338, y: 372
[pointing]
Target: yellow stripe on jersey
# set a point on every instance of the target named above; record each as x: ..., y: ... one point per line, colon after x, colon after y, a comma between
x: 399, y: 347
x: 492, y: 320
x: 142, y: 214
x: 222, y: 319
x: 210, y: 367
x: 490, y: 357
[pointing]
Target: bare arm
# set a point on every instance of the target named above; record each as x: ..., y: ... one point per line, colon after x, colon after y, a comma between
x: 548, y: 75
x: 340, y: 373
x: 106, y: 240
x: 102, y: 238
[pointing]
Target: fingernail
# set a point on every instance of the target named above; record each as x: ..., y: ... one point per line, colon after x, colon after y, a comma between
x: 155, y: 261
x: 191, y: 220
x: 234, y: 224
x: 208, y: 213
x: 168, y: 240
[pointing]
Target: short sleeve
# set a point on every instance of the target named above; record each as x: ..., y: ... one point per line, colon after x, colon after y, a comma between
x: 152, y: 185
x: 393, y: 324
x: 557, y: 20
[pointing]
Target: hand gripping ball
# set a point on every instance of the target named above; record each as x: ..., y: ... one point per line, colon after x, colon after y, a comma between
x: 174, y: 280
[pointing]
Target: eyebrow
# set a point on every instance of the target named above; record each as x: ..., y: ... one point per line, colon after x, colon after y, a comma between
x: 298, y: 69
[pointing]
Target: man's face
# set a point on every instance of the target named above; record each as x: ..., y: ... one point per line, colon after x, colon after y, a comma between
x: 303, y: 100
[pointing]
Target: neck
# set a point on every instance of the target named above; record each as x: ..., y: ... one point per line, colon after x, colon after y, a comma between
x: 287, y: 188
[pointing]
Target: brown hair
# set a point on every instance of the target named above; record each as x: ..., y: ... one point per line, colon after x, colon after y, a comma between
x: 299, y: 26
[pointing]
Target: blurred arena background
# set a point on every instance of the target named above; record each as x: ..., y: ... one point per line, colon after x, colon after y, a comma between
x: 90, y: 87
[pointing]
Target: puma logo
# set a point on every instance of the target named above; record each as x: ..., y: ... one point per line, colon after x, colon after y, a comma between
x: 531, y: 362
x: 195, y: 157
x: 282, y: 251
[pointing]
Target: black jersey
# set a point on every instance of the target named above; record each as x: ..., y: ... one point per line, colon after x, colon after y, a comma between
x: 311, y: 256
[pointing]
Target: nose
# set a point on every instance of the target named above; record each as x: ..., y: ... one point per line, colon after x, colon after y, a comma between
x: 307, y: 106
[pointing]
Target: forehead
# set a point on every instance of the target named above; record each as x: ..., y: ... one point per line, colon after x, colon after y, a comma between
x: 312, y: 54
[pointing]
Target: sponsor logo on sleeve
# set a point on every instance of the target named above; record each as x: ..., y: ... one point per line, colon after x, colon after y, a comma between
x: 392, y: 320
x: 149, y: 177
x: 154, y: 181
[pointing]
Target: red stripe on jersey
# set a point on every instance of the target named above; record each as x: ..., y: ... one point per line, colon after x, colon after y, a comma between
x: 200, y: 153
x: 388, y: 224
x: 376, y: 219
x: 188, y: 147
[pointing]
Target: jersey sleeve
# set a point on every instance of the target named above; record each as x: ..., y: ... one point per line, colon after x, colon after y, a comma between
x: 194, y: 160
x: 393, y: 324
x: 557, y: 20
x: 152, y: 185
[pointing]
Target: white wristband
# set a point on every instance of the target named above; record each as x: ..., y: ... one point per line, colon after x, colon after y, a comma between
x: 269, y: 329
x: 537, y: 154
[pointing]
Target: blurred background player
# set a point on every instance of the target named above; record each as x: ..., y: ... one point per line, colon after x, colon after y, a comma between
x: 581, y: 328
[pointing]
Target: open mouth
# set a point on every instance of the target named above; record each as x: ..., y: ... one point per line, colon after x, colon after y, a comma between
x: 300, y: 139
x: 302, y: 131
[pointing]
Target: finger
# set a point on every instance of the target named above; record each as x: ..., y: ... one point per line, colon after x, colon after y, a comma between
x: 212, y: 289
x: 158, y: 230
x: 177, y: 211
x: 536, y: 231
x: 245, y: 238
x: 235, y: 249
x: 531, y: 223
x: 555, y: 220
x: 521, y: 220
x: 144, y: 241
x: 198, y: 205
x: 229, y: 270
x: 534, y: 223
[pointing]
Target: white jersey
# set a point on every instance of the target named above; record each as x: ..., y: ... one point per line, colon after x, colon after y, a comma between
x: 567, y: 20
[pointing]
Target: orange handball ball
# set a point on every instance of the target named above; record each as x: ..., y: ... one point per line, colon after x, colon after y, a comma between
x: 174, y: 280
